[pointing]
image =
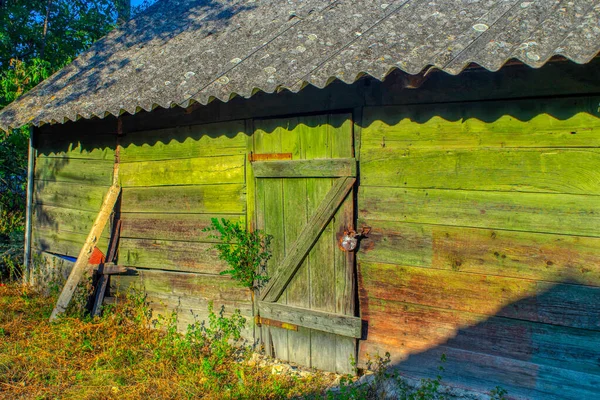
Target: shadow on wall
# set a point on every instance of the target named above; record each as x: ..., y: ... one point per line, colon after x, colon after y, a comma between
x: 544, y: 346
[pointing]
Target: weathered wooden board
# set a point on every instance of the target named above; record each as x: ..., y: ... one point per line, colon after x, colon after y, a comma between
x: 189, y: 295
x: 567, y: 122
x: 170, y: 255
x: 575, y: 171
x: 65, y: 243
x: 321, y: 168
x: 534, y: 212
x: 188, y: 171
x: 569, y: 305
x: 70, y: 195
x: 547, y: 257
x: 404, y: 326
x: 186, y: 285
x: 77, y: 145
x: 61, y: 169
x: 63, y: 219
x: 218, y: 139
x: 348, y: 326
x: 225, y: 199
x: 172, y: 226
x: 482, y: 372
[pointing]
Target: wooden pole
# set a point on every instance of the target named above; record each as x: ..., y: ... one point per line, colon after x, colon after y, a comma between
x: 27, y: 279
x: 86, y: 251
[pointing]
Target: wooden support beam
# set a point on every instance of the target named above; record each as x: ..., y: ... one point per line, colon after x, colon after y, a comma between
x: 86, y: 251
x: 27, y: 278
x: 307, y: 238
x: 323, y: 168
x: 343, y: 325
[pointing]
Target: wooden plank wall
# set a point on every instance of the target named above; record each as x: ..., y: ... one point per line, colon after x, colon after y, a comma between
x: 485, y: 244
x: 174, y: 181
x: 73, y: 172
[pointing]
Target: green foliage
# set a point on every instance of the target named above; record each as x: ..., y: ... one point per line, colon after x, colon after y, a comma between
x: 29, y: 53
x: 498, y: 393
x: 245, y: 252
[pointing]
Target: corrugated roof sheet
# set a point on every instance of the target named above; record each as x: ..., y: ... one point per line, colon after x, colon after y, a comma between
x: 185, y: 51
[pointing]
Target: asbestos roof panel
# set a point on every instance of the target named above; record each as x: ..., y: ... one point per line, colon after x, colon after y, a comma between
x: 185, y: 51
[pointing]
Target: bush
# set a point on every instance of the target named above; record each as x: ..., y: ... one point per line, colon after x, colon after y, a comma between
x: 246, y: 253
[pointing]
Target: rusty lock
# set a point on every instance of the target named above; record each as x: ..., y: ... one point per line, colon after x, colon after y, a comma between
x: 350, y: 238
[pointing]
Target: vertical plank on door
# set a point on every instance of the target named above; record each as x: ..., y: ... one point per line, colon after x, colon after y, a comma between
x: 340, y: 126
x: 316, y: 143
x: 268, y: 140
x: 295, y: 217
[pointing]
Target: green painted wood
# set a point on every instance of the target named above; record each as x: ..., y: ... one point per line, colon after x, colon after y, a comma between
x: 531, y: 212
x: 295, y: 216
x: 170, y: 255
x: 172, y: 226
x: 207, y: 199
x: 76, y: 145
x: 69, y: 195
x: 188, y: 294
x: 217, y: 139
x: 323, y: 168
x: 189, y: 171
x: 538, y: 123
x: 85, y: 171
x: 64, y: 243
x: 62, y: 219
x: 317, y: 223
x: 569, y: 305
x: 274, y: 225
x: 308, y: 138
x: 322, y: 321
x: 523, y: 170
x: 546, y: 257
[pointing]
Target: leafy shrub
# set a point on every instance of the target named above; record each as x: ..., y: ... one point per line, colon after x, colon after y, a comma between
x: 245, y: 252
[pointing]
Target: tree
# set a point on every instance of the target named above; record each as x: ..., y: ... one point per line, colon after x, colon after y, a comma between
x: 37, y: 38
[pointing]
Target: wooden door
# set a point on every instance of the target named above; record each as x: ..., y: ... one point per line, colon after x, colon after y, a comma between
x: 304, y: 178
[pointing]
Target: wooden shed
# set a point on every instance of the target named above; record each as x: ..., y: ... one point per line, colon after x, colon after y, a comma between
x: 465, y: 134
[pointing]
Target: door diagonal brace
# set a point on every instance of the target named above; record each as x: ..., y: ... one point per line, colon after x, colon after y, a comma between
x: 307, y: 239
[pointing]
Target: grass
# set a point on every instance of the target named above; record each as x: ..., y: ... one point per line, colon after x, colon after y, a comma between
x: 120, y: 356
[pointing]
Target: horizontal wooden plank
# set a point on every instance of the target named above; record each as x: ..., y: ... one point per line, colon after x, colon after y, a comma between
x: 225, y: 199
x: 69, y: 195
x: 89, y: 172
x: 470, y: 371
x: 398, y: 325
x: 170, y: 255
x: 186, y: 227
x: 218, y: 139
x: 64, y: 243
x: 575, y: 171
x: 532, y: 212
x: 188, y: 171
x: 78, y: 145
x: 188, y: 294
x: 62, y: 219
x: 319, y: 168
x: 568, y: 305
x: 343, y: 325
x: 187, y: 285
x: 515, y: 123
x: 548, y: 257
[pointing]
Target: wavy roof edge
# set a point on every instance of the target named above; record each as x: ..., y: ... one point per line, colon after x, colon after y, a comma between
x: 101, y: 81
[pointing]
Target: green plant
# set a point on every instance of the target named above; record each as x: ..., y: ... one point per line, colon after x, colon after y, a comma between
x: 245, y: 252
x: 498, y: 393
